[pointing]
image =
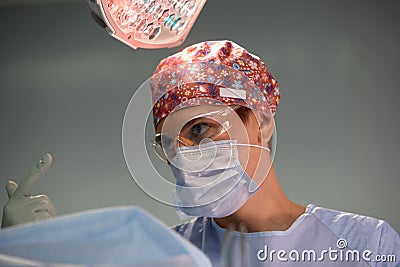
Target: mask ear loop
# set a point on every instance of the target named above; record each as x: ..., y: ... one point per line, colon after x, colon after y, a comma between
x: 252, y: 145
x: 267, y: 143
x: 252, y: 185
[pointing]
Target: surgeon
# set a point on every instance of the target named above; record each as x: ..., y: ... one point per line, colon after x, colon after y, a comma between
x: 213, y: 108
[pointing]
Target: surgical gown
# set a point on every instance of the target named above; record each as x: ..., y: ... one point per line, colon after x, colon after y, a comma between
x: 319, y: 237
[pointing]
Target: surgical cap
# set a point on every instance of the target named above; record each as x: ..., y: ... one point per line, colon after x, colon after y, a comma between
x: 218, y: 70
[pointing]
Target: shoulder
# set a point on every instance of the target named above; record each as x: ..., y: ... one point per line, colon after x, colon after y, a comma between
x: 359, y: 231
x: 338, y: 219
x: 347, y: 222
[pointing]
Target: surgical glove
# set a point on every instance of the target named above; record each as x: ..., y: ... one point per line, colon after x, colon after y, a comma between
x: 23, y: 208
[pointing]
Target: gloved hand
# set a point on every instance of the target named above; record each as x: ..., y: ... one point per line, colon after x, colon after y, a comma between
x: 21, y: 207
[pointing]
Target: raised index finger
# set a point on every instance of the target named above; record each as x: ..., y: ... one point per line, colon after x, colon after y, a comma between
x: 34, y: 175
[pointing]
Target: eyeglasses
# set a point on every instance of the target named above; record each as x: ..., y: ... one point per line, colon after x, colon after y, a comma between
x: 195, y: 132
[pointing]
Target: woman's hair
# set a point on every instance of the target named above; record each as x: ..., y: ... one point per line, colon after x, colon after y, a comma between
x: 242, y: 112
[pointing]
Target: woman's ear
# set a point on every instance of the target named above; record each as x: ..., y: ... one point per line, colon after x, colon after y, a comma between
x: 267, y: 128
x: 262, y: 124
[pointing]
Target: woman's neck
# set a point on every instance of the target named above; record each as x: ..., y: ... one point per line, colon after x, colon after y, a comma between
x: 269, y: 209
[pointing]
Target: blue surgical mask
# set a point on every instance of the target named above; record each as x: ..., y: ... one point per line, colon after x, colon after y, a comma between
x: 210, y: 181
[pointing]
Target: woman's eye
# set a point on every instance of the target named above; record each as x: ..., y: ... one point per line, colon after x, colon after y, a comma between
x: 199, y: 129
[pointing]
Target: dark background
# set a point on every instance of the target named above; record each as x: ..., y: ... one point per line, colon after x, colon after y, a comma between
x: 65, y: 85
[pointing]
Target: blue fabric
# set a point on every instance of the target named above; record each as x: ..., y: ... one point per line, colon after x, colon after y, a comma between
x: 125, y: 236
x: 317, y: 229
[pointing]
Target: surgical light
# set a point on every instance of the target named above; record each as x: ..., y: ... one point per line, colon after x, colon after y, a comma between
x: 148, y: 23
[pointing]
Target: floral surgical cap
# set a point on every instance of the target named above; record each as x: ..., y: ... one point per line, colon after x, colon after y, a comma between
x: 220, y: 71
